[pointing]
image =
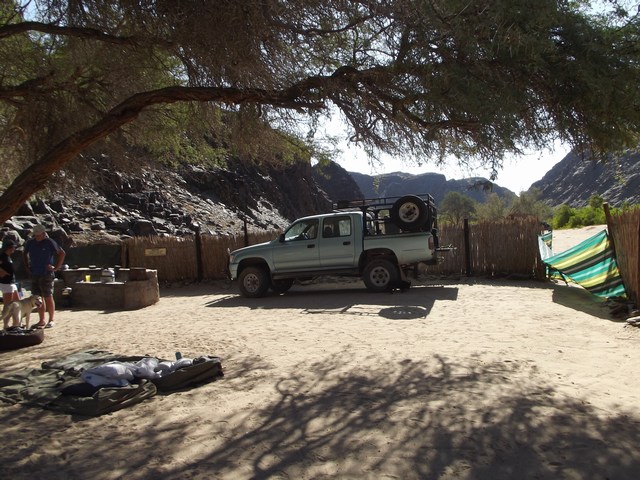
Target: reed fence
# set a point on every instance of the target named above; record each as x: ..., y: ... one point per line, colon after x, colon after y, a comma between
x: 495, y: 249
x: 195, y: 257
x: 173, y: 257
x: 499, y: 248
x: 625, y: 231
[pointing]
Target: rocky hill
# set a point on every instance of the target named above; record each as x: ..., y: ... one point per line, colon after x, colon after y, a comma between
x: 115, y: 206
x: 574, y: 180
x: 337, y: 182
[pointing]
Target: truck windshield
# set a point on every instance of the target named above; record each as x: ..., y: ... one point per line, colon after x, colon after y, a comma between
x: 302, y: 230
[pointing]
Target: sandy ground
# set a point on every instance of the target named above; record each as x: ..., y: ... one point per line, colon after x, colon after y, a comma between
x: 465, y: 379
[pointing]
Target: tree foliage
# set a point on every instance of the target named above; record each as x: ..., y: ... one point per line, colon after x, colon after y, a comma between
x: 465, y: 79
x: 529, y: 203
x: 455, y: 207
x: 493, y: 209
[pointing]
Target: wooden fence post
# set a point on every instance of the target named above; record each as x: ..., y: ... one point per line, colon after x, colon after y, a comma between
x: 607, y: 215
x: 637, y: 292
x: 467, y: 247
x: 635, y: 295
x: 199, y: 266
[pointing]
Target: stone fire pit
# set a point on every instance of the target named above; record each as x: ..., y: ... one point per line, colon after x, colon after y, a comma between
x: 132, y: 289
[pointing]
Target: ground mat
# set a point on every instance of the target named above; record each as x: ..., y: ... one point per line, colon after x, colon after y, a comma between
x: 96, y: 382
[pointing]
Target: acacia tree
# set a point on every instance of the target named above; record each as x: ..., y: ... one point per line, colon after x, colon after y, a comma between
x: 529, y: 204
x: 492, y: 209
x: 456, y: 207
x: 468, y: 79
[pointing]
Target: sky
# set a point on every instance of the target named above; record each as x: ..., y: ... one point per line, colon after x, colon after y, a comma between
x: 517, y: 175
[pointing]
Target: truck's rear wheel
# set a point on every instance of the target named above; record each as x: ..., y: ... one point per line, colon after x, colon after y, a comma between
x: 380, y: 275
x: 281, y: 286
x: 253, y: 282
x: 409, y: 212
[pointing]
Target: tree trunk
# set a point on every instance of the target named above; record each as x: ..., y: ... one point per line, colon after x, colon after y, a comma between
x: 35, y: 177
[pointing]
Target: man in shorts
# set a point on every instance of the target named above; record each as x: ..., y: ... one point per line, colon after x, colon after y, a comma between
x: 42, y: 258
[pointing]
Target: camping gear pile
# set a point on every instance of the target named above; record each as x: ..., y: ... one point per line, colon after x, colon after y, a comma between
x: 96, y: 382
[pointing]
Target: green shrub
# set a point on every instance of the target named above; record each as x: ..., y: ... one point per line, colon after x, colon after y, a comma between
x: 567, y: 217
x: 562, y: 216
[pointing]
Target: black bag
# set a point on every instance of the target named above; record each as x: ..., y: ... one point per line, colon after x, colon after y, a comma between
x: 104, y: 400
x: 203, y: 369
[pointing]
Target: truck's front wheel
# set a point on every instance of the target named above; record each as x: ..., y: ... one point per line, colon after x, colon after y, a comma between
x: 253, y: 282
x: 380, y: 275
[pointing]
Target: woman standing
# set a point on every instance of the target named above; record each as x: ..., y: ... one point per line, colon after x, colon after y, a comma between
x: 7, y: 274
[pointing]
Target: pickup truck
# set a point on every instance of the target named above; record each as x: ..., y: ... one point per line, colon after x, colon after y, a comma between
x: 378, y: 240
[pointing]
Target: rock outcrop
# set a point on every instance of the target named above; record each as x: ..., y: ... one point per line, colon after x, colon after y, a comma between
x: 167, y: 202
x: 337, y: 182
x: 574, y: 180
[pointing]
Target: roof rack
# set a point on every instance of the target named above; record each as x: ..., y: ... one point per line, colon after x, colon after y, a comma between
x: 380, y: 203
x: 407, y: 212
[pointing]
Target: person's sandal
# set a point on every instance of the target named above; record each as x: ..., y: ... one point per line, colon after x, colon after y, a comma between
x: 49, y: 325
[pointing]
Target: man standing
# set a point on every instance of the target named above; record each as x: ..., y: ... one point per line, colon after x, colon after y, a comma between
x: 42, y: 258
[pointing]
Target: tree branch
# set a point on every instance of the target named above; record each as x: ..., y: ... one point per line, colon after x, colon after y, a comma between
x: 9, y: 30
x: 35, y: 177
x: 25, y: 89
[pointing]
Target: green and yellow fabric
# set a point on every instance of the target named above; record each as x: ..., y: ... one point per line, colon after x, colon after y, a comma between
x: 591, y: 264
x: 547, y: 238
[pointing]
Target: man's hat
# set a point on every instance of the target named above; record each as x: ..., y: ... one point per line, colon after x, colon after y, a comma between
x: 38, y: 229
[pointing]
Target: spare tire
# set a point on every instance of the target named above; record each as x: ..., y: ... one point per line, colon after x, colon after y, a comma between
x: 23, y: 339
x: 409, y: 212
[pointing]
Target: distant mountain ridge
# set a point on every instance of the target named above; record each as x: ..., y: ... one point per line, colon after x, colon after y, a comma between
x: 436, y: 184
x: 331, y: 178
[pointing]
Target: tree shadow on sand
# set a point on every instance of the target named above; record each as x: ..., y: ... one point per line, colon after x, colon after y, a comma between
x: 426, y: 420
x: 436, y: 418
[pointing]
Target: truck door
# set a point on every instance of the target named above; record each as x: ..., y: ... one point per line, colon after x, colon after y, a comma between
x: 337, y: 246
x: 299, y: 250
